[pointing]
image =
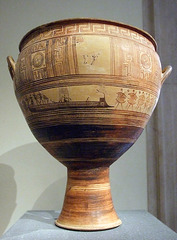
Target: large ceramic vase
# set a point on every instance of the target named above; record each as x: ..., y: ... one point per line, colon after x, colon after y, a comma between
x: 87, y: 88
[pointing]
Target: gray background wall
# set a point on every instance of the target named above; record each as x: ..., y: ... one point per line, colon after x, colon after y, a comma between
x: 29, y: 177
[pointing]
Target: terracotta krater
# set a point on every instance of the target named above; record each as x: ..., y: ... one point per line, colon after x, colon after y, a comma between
x: 87, y: 88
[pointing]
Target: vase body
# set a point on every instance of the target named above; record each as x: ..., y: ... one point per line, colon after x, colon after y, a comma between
x: 87, y: 88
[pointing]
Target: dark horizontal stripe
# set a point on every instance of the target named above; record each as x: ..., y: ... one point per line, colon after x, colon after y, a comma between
x: 87, y: 163
x: 60, y: 132
x: 86, y: 152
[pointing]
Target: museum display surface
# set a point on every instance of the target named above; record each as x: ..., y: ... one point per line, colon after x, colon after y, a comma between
x: 87, y: 88
x: 137, y: 225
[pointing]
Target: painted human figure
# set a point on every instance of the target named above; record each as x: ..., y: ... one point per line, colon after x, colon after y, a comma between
x: 141, y: 101
x: 121, y: 98
x: 31, y: 100
x: 132, y: 99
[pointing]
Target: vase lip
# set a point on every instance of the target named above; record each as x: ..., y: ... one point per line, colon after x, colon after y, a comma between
x: 91, y: 20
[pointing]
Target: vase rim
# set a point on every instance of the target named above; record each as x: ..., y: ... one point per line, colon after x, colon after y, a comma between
x: 82, y: 20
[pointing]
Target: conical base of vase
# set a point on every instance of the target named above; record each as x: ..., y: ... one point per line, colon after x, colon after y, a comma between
x: 88, y: 203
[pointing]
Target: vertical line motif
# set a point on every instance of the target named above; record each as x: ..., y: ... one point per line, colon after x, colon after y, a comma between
x: 74, y: 50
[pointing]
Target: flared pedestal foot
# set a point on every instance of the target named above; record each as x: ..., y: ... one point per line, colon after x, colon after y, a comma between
x: 88, y: 203
x: 97, y: 227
